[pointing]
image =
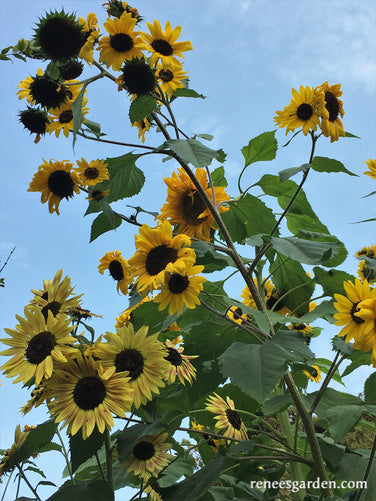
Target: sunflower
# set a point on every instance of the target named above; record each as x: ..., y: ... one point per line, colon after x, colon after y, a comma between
x: 329, y: 108
x: 185, y: 207
x: 180, y: 289
x: 227, y: 417
x: 140, y: 355
x: 236, y: 314
x: 314, y: 374
x: 170, y: 77
x: 369, y: 251
x: 71, y: 70
x: 38, y: 396
x: 301, y: 112
x: 179, y: 364
x: 153, y: 490
x: 97, y: 193
x: 366, y: 273
x: 56, y: 296
x: 35, y: 344
x: 84, y: 396
x: 35, y: 121
x: 248, y: 298
x: 371, y: 164
x: 119, y: 269
x: 303, y: 327
x: 138, y: 78
x: 117, y: 7
x: 43, y: 90
x: 163, y: 44
x: 61, y: 119
x: 159, y: 252
x: 348, y: 308
x: 92, y: 173
x: 124, y: 318
x: 19, y: 439
x: 149, y: 455
x: 367, y: 340
x: 213, y: 442
x: 122, y: 44
x: 55, y: 180
x: 142, y: 126
x: 90, y: 29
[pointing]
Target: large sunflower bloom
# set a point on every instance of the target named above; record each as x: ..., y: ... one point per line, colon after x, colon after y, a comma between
x: 55, y: 180
x: 367, y: 339
x: 163, y: 44
x: 348, y: 308
x: 180, y: 289
x: 35, y: 344
x: 119, y: 269
x: 170, y: 77
x: 122, y: 44
x: 159, y: 252
x: 301, y: 112
x: 371, y: 164
x: 330, y: 107
x: 61, y: 119
x: 92, y: 173
x: 83, y: 396
x: 180, y: 365
x: 227, y: 417
x: 149, y: 456
x: 185, y: 207
x: 91, y: 33
x: 140, y: 355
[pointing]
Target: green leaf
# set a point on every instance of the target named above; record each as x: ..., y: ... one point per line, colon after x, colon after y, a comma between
x: 127, y: 438
x: 369, y: 194
x: 248, y: 216
x: 194, y: 152
x: 98, y: 490
x: 260, y: 148
x: 81, y: 449
x: 207, y: 137
x: 339, y: 344
x: 141, y: 107
x: 332, y: 280
x: 276, y: 404
x: 78, y: 116
x: 366, y: 220
x: 287, y: 173
x: 185, y: 92
x: 101, y: 224
x: 324, y: 365
x: 370, y: 389
x: 371, y: 263
x: 126, y: 179
x: 208, y: 257
x: 358, y: 358
x: 94, y: 127
x: 194, y: 487
x: 305, y: 251
x: 218, y: 177
x: 348, y: 134
x: 324, y: 164
x: 175, y: 470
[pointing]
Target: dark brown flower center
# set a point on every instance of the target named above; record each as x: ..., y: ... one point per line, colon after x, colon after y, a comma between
x: 353, y: 311
x: 61, y: 183
x: 47, y: 92
x: 178, y: 283
x: 166, y: 75
x: 300, y: 327
x: 192, y: 206
x: 130, y: 360
x: 143, y: 450
x: 91, y: 173
x: 40, y: 347
x: 314, y: 372
x: 238, y: 312
x: 304, y: 111
x: 97, y: 194
x: 89, y: 392
x: 163, y: 47
x: 159, y: 257
x: 54, y: 307
x: 116, y: 270
x: 234, y: 419
x: 121, y: 42
x: 174, y: 357
x: 66, y: 116
x: 332, y: 105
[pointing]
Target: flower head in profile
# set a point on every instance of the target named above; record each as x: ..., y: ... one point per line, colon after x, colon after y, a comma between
x: 35, y: 121
x: 371, y: 164
x: 19, y: 439
x: 91, y: 33
x: 180, y: 364
x: 301, y: 112
x: 185, y: 207
x: 227, y: 417
x: 93, y: 172
x: 314, y: 373
x: 330, y: 108
x: 83, y: 396
x: 143, y: 126
x: 127, y: 316
x: 55, y: 180
x: 366, y: 340
x: 119, y: 269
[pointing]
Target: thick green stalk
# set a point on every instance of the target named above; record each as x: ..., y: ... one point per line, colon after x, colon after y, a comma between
x: 109, y: 465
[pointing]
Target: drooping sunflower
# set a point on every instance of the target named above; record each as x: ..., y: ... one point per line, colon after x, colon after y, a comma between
x: 236, y: 314
x: 19, y: 439
x: 170, y: 77
x: 119, y: 269
x: 185, y: 207
x: 90, y: 29
x: 367, y: 339
x: 55, y: 180
x: 44, y: 91
x: 180, y: 364
x: 140, y: 355
x: 159, y: 252
x: 371, y: 164
x: 149, y: 456
x: 248, y: 298
x: 142, y: 126
x: 93, y: 172
x: 56, y: 296
x: 38, y: 396
x: 122, y: 44
x: 35, y: 344
x: 227, y: 417
x: 301, y: 112
x: 314, y: 374
x: 124, y: 318
x: 163, y: 44
x: 117, y: 7
x: 138, y: 78
x: 330, y: 108
x: 348, y: 308
x: 366, y: 273
x: 61, y: 119
x: 180, y: 289
x: 84, y: 396
x: 71, y: 69
x: 35, y: 120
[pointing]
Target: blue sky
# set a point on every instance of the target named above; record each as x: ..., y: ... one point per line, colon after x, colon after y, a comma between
x: 247, y: 56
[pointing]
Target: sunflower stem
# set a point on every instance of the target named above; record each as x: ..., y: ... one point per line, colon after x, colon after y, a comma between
x: 109, y: 465
x: 119, y: 143
x: 368, y: 469
x: 65, y: 453
x: 28, y: 483
x: 167, y: 104
x: 6, y: 486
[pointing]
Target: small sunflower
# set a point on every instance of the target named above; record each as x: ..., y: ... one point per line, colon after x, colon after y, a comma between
x: 314, y: 374
x: 122, y: 44
x: 35, y: 121
x: 180, y: 364
x: 236, y: 314
x: 170, y: 77
x: 55, y: 180
x: 330, y: 108
x: 163, y: 44
x: 185, y: 207
x: 303, y: 327
x: 149, y: 456
x: 92, y: 173
x: 61, y: 119
x: 124, y: 318
x: 301, y: 112
x: 213, y: 442
x: 90, y: 29
x: 371, y: 164
x: 348, y: 308
x: 366, y: 273
x: 248, y: 298
x: 140, y: 355
x: 367, y: 340
x: 119, y: 269
x: 117, y: 7
x: 369, y: 251
x: 38, y: 396
x: 153, y: 490
x: 35, y: 344
x: 83, y: 396
x: 159, y: 252
x: 180, y: 289
x: 97, y: 193
x: 142, y: 126
x: 227, y: 417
